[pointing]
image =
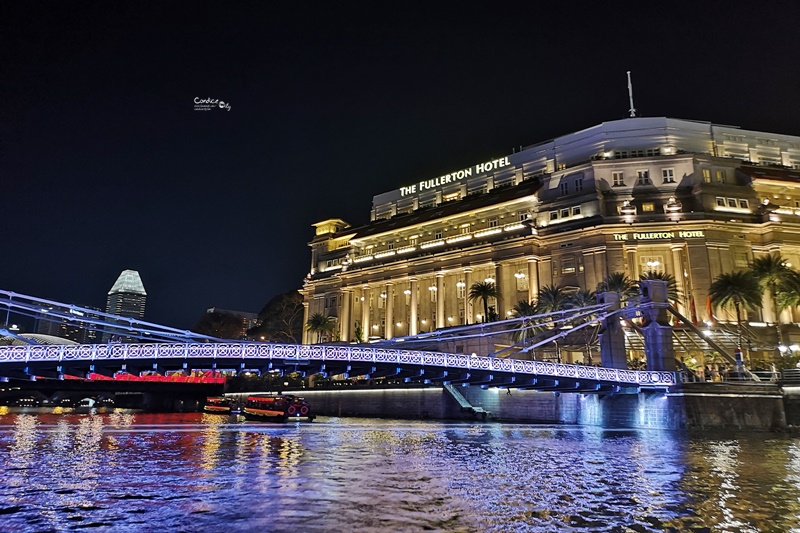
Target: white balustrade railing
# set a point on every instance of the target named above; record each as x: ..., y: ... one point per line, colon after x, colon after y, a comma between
x: 318, y: 352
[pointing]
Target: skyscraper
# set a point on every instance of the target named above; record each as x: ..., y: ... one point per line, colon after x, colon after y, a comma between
x: 127, y: 297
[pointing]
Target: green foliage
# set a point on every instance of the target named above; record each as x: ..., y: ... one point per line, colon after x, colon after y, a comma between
x: 321, y: 325
x: 673, y: 294
x: 281, y: 319
x: 223, y: 325
x: 739, y: 289
x: 483, y: 290
x: 621, y: 284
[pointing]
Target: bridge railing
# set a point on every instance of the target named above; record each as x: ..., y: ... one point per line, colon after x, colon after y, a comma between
x: 220, y: 353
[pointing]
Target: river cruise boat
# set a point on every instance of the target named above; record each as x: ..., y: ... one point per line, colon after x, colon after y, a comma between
x: 277, y: 408
x: 221, y: 405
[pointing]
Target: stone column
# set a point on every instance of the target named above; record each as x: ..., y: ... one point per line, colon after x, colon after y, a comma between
x: 389, y: 332
x: 366, y: 327
x: 305, y: 321
x: 533, y: 279
x: 440, y: 318
x: 501, y: 298
x: 468, y: 316
x: 344, y: 322
x: 412, y: 313
x: 680, y: 282
x: 633, y: 269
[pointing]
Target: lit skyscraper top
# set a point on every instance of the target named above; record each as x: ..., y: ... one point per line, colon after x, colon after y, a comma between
x: 127, y: 297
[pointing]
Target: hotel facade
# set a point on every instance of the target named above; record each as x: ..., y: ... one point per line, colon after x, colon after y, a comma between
x: 688, y: 198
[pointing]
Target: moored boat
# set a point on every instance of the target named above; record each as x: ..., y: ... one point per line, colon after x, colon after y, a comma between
x: 277, y: 408
x: 218, y: 405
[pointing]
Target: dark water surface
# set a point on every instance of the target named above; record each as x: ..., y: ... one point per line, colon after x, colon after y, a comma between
x: 196, y: 472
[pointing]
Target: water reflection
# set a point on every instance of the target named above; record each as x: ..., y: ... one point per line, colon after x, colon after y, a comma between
x: 196, y: 472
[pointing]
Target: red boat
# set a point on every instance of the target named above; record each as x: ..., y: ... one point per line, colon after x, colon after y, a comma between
x: 277, y: 408
x: 220, y: 405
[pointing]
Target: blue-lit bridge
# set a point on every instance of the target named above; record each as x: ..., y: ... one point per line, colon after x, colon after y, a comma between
x: 431, y: 358
x: 58, y: 361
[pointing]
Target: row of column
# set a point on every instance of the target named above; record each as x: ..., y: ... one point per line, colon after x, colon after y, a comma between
x: 346, y: 318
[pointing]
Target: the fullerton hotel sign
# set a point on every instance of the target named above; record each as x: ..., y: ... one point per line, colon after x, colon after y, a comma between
x: 658, y: 235
x: 454, y: 176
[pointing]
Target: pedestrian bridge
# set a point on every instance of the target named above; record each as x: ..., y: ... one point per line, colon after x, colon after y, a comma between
x: 60, y: 361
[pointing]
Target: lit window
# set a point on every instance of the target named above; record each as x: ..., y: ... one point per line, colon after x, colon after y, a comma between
x: 707, y: 175
x: 492, y: 222
x: 390, y: 246
x: 464, y: 230
x: 720, y: 174
x: 648, y: 208
x: 618, y: 179
x: 461, y: 289
x: 643, y: 177
x: 437, y: 234
x: 450, y: 197
x: 669, y: 175
x: 568, y: 266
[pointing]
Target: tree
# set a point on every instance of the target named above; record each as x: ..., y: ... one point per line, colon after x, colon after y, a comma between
x: 621, y: 284
x: 223, y: 325
x: 739, y: 289
x: 673, y: 294
x: 483, y: 290
x: 552, y: 298
x: 320, y: 324
x: 281, y: 319
x: 774, y: 275
x: 523, y: 309
x: 578, y: 300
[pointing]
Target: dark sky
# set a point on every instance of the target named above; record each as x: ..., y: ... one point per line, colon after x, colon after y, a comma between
x: 105, y: 165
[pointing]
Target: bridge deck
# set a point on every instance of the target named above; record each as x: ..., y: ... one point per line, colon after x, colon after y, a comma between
x: 351, y: 360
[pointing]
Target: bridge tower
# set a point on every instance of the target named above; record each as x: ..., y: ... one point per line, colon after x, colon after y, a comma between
x: 657, y: 329
x: 612, y: 338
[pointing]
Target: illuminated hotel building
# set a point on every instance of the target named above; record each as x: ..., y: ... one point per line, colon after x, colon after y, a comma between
x: 692, y: 199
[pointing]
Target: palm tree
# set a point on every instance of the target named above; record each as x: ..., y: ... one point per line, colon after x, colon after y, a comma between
x: 483, y: 290
x: 524, y: 309
x: 553, y: 298
x: 775, y: 276
x: 673, y: 293
x: 621, y: 284
x: 739, y: 289
x: 320, y: 324
x: 580, y: 299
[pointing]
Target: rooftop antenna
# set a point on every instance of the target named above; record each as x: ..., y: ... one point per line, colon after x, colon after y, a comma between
x: 630, y: 95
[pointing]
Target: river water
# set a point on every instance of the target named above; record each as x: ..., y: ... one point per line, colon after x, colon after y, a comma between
x: 195, y: 472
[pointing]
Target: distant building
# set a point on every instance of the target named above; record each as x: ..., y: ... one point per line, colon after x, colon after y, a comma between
x: 126, y: 298
x: 68, y: 329
x: 228, y: 324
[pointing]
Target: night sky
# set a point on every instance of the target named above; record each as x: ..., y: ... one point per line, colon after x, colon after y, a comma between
x: 105, y: 165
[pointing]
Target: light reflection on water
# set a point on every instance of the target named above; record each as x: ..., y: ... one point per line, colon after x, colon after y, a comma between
x: 198, y: 472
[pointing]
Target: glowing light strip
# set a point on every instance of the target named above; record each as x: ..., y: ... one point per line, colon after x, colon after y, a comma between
x: 512, y: 227
x: 362, y: 258
x: 458, y: 239
x: 384, y: 254
x: 406, y: 249
x: 432, y: 244
x: 486, y: 232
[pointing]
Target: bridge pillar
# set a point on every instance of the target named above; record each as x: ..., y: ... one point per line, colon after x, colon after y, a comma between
x: 657, y: 330
x: 612, y: 338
